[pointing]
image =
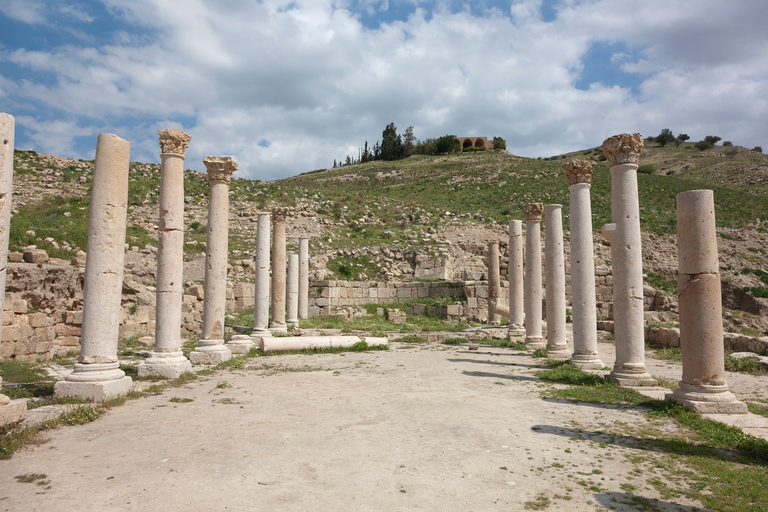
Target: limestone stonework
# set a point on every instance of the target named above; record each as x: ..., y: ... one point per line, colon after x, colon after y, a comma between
x: 623, y: 152
x: 533, y: 324
x: 583, y: 300
x: 292, y: 291
x: 167, y: 359
x: 97, y: 374
x: 703, y: 387
x: 557, y: 345
x: 278, y: 324
x: 261, y: 296
x: 11, y: 411
x: 303, y: 278
x: 494, y: 282
x: 211, y: 348
x: 516, y: 305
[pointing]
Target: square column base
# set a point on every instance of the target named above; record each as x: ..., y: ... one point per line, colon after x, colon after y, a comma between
x: 13, y: 412
x: 535, y: 342
x: 587, y: 362
x: 707, y: 399
x: 164, y: 370
x: 94, y: 391
x: 632, y: 380
x: 240, y: 344
x: 210, y: 354
x: 515, y: 332
x: 561, y: 354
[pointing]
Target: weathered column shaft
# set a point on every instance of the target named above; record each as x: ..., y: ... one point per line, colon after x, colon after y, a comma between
x: 303, y: 278
x: 11, y: 411
x: 533, y: 324
x: 211, y: 348
x: 278, y: 270
x: 554, y: 268
x: 494, y: 281
x: 261, y: 302
x: 703, y: 387
x: 292, y: 290
x: 622, y: 152
x: 516, y: 305
x: 97, y: 374
x: 583, y: 302
x: 167, y: 359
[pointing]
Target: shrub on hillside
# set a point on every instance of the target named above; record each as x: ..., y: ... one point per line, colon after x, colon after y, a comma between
x: 759, y: 149
x: 647, y: 169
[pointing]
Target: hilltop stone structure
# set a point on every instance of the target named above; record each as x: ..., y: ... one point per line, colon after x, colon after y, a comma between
x: 278, y: 324
x: 516, y: 288
x: 211, y: 349
x: 703, y: 387
x: 478, y: 142
x: 167, y: 360
x: 554, y: 268
x: 583, y: 301
x: 623, y: 153
x: 262, y: 284
x: 533, y: 325
x: 97, y: 374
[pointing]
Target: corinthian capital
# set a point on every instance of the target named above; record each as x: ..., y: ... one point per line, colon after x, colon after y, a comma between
x: 579, y: 171
x: 532, y: 211
x: 173, y: 140
x: 623, y: 149
x: 279, y: 214
x: 220, y: 168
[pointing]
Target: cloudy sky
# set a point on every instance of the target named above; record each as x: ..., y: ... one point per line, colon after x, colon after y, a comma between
x: 286, y: 86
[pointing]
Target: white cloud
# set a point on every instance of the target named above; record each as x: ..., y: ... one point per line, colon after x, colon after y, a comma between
x: 28, y: 11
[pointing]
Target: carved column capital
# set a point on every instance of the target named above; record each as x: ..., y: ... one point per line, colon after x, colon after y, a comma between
x: 623, y: 149
x: 174, y: 141
x: 279, y: 214
x: 533, y: 211
x: 579, y: 171
x: 220, y: 168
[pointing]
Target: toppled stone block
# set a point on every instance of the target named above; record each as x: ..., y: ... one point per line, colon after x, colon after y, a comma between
x: 35, y: 256
x: 78, y: 260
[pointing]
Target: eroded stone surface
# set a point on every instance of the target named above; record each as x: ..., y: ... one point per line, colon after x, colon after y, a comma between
x: 533, y: 324
x: 557, y: 345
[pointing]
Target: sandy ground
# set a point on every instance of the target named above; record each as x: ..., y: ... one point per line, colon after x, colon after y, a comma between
x: 427, y: 427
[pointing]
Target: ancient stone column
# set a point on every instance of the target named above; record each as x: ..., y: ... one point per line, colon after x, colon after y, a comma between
x: 494, y: 282
x: 97, y: 375
x: 303, y: 278
x: 703, y: 387
x: 533, y: 338
x: 11, y: 411
x: 584, y: 308
x: 623, y: 154
x: 211, y: 349
x: 278, y: 325
x: 292, y: 290
x: 554, y: 269
x: 167, y: 360
x: 516, y: 307
x: 261, y: 295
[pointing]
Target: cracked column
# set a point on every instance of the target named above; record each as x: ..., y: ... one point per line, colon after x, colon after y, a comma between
x: 303, y: 278
x: 494, y: 282
x: 516, y: 306
x: 554, y: 268
x: 533, y: 338
x: 97, y: 374
x: 211, y: 349
x: 584, y: 307
x: 703, y: 387
x: 167, y: 360
x: 11, y: 411
x: 261, y: 295
x: 278, y: 325
x: 292, y: 290
x: 623, y: 154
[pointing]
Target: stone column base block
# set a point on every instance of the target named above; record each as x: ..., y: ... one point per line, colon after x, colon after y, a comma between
x: 165, y: 365
x: 516, y: 331
x: 258, y: 334
x: 96, y: 391
x: 632, y: 377
x: 707, y: 399
x: 278, y: 328
x: 240, y: 344
x: 210, y: 352
x: 535, y: 342
x: 559, y: 352
x: 13, y: 411
x: 288, y: 343
x: 587, y: 361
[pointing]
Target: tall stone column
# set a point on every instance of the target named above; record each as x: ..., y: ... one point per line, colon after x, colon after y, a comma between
x: 278, y: 325
x: 303, y: 278
x: 97, y: 374
x: 554, y: 268
x: 623, y: 154
x: 167, y: 360
x: 292, y: 290
x: 584, y: 307
x: 11, y: 411
x: 703, y: 387
x: 211, y: 349
x: 494, y: 282
x: 261, y: 295
x: 533, y: 338
x: 516, y: 306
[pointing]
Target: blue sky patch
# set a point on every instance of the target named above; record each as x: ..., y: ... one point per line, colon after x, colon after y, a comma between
x: 603, y: 63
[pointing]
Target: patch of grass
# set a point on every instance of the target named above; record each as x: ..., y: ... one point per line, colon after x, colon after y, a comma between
x: 540, y: 503
x: 540, y: 353
x: 18, y: 372
x: 411, y: 338
x: 47, y: 219
x: 223, y: 384
x: 661, y: 283
x: 750, y: 365
x: 178, y: 400
x: 759, y: 409
x: 668, y: 353
x: 458, y: 340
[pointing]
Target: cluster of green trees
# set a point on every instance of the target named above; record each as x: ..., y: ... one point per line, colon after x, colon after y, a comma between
x: 394, y: 146
x: 667, y: 137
